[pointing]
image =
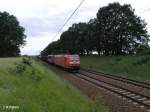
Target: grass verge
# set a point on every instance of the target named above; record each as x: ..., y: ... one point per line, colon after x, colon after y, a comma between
x: 31, y: 87
x: 133, y: 67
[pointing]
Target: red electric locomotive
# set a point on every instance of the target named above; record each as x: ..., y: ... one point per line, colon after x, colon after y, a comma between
x: 70, y: 62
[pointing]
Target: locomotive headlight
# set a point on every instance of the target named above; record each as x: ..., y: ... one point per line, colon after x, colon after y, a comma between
x: 71, y: 62
x: 74, y: 62
x: 77, y: 62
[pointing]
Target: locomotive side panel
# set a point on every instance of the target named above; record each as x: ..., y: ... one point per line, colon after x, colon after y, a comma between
x: 59, y: 60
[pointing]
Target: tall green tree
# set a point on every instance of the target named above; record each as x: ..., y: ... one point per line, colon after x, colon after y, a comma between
x: 121, y: 30
x: 68, y: 41
x: 80, y: 33
x: 11, y: 35
x: 76, y: 39
x: 95, y: 35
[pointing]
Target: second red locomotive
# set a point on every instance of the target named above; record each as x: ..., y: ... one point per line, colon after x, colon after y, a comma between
x: 70, y: 62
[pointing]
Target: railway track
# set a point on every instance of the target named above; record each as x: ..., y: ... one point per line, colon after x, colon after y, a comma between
x: 134, y: 91
x: 129, y: 81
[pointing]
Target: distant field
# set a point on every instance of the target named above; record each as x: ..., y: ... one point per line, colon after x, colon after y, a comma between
x: 35, y: 88
x: 133, y: 67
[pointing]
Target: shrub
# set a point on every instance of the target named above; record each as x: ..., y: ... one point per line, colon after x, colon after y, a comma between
x: 27, y: 61
x: 20, y: 68
x: 35, y: 75
x: 26, y: 64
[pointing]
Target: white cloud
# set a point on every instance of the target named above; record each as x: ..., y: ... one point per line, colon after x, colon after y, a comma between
x: 43, y: 18
x: 35, y: 45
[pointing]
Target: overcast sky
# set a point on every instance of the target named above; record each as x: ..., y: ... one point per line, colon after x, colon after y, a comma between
x: 43, y: 18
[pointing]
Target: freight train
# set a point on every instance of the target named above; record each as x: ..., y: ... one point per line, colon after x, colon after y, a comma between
x: 67, y: 61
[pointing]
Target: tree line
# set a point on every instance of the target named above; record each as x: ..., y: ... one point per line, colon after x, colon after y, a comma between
x: 116, y: 30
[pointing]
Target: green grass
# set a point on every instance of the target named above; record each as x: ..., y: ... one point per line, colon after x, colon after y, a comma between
x: 38, y: 89
x: 133, y: 67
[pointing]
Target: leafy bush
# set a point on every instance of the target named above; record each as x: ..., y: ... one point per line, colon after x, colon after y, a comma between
x: 27, y: 61
x: 20, y: 68
x: 35, y: 75
x: 25, y: 65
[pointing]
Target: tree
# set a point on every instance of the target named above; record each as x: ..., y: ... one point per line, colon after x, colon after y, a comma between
x: 68, y: 42
x: 95, y: 36
x: 80, y: 33
x: 11, y: 35
x: 76, y: 39
x: 121, y: 30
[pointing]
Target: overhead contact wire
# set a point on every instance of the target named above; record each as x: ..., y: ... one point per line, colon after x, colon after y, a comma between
x: 68, y: 19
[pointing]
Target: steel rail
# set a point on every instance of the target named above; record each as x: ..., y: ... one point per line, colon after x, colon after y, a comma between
x: 148, y: 97
x: 129, y: 81
x: 94, y: 81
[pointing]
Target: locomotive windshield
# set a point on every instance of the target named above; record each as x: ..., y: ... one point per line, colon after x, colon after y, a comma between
x: 74, y: 57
